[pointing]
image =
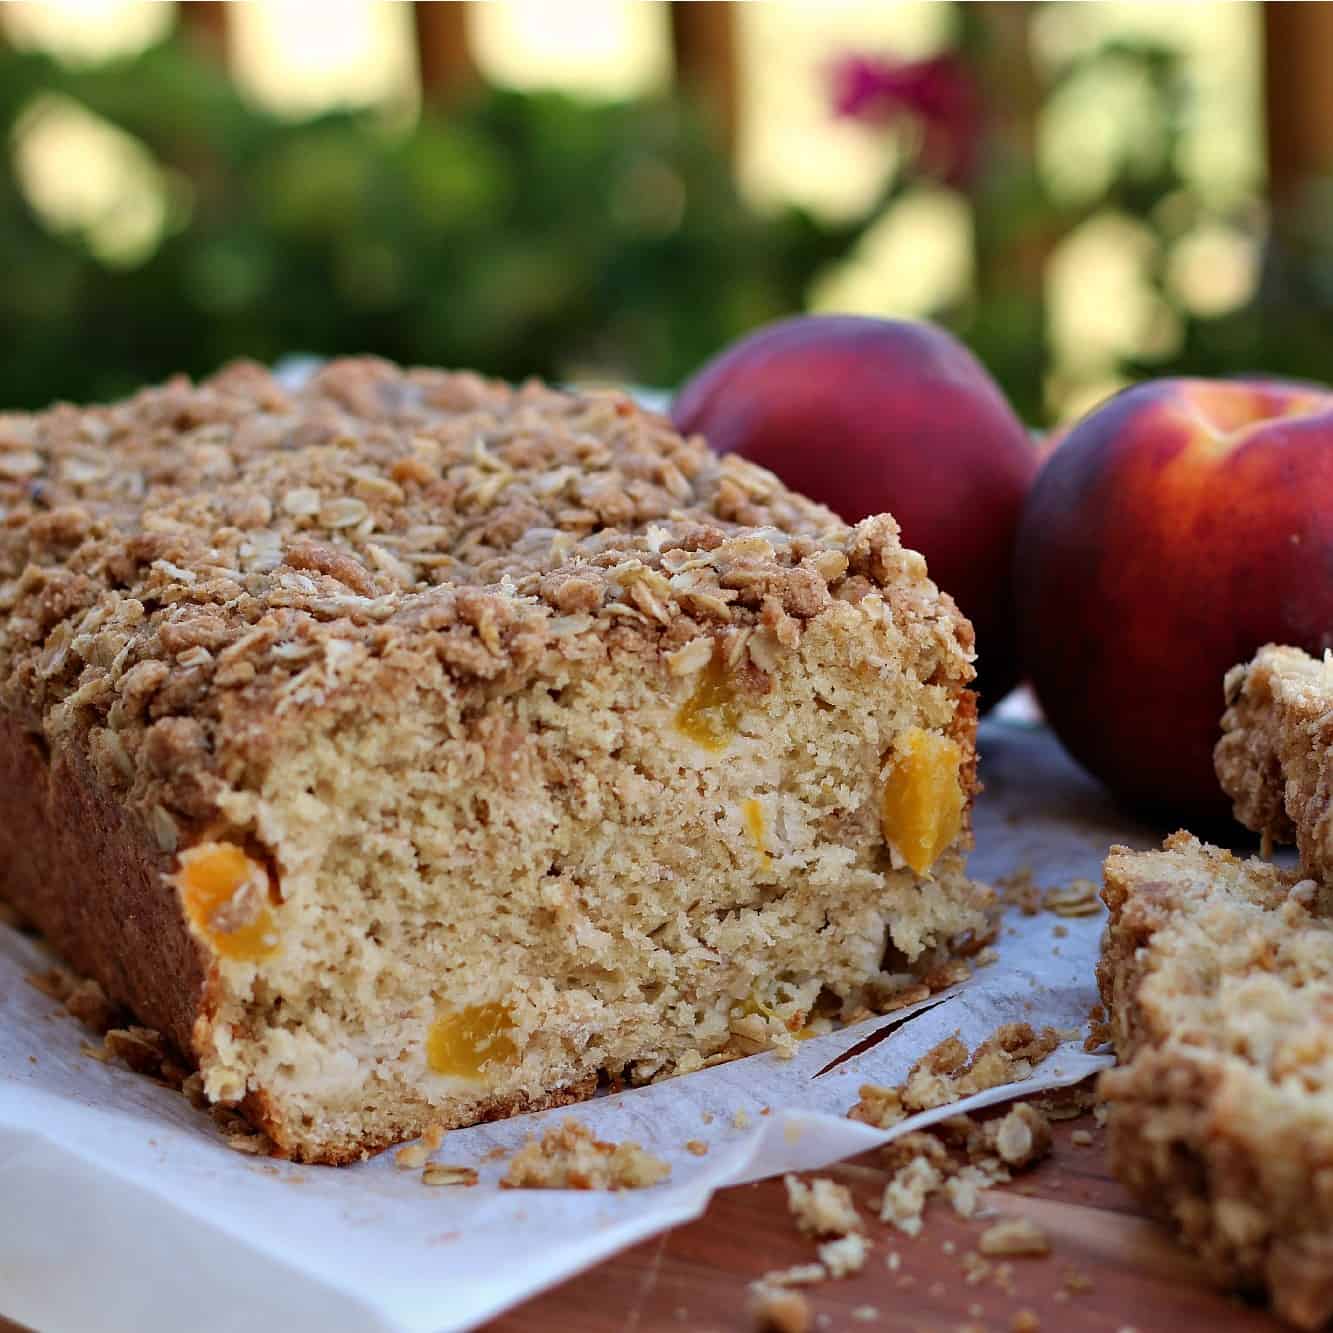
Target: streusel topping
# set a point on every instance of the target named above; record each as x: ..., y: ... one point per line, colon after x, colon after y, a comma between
x: 187, y: 553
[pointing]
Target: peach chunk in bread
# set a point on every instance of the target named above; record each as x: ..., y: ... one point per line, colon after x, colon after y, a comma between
x: 415, y: 750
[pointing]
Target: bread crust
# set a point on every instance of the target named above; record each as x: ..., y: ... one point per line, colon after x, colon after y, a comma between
x: 88, y: 874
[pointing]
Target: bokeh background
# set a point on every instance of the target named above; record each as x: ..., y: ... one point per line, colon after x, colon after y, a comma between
x: 609, y: 190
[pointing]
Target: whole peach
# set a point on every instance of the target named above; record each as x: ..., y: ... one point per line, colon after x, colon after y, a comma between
x: 1176, y: 529
x: 875, y: 415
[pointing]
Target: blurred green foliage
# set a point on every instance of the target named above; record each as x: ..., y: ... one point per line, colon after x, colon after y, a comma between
x: 535, y: 234
x: 518, y: 234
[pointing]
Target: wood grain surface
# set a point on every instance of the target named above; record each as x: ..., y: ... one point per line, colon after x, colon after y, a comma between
x: 1110, y: 1269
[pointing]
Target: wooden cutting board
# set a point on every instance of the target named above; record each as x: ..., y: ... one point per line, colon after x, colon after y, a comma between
x: 1110, y: 1269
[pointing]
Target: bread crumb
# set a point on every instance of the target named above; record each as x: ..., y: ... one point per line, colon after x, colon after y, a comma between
x: 568, y: 1156
x: 1023, y: 1136
x: 845, y: 1255
x: 779, y: 1310
x: 412, y: 1157
x: 1078, y: 898
x: 893, y: 1261
x: 440, y: 1173
x: 799, y: 1275
x: 1014, y: 1236
x: 946, y: 1073
x: 1081, y: 1138
x: 865, y: 1314
x: 1025, y: 1321
x: 433, y: 1138
x: 740, y: 1120
x: 821, y: 1207
x: 697, y: 1147
x: 975, y: 1268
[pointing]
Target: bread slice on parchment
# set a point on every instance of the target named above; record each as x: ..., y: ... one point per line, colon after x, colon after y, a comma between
x: 415, y: 750
x: 1275, y: 758
x: 1218, y: 983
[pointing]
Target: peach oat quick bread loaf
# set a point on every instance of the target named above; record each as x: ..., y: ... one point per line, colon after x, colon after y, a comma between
x: 1217, y: 977
x: 1275, y: 758
x: 414, y: 750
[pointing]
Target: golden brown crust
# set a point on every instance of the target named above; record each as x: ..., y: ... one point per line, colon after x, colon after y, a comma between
x: 171, y: 563
x: 1275, y: 758
x: 88, y: 874
x: 260, y: 1111
x: 1218, y: 982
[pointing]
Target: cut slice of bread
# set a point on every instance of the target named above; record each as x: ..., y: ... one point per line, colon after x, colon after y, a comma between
x: 1275, y: 758
x: 1218, y: 982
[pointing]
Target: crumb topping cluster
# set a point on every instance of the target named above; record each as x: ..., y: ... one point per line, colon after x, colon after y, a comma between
x: 171, y: 564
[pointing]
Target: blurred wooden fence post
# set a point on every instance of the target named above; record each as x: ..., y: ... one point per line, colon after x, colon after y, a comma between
x: 443, y: 55
x: 204, y: 23
x: 1298, y: 94
x: 703, y: 39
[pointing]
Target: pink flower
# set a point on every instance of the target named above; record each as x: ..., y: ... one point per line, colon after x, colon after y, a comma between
x: 939, y: 93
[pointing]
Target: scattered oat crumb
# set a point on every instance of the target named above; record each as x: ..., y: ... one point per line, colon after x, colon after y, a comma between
x: 1061, y: 1296
x: 975, y: 1311
x: 779, y: 1310
x: 947, y: 1073
x: 1025, y: 1321
x: 740, y: 1120
x: 1023, y: 1136
x: 949, y: 1247
x: 697, y: 1147
x: 893, y: 1261
x: 1014, y: 1236
x: 845, y: 1255
x: 975, y: 1268
x: 440, y: 1173
x: 1081, y: 1138
x: 412, y: 1157
x: 568, y: 1156
x: 98, y: 1053
x: 1076, y: 1281
x: 496, y: 1154
x: 433, y: 1138
x: 707, y: 1117
x: 1100, y: 1113
x: 865, y: 1314
x: 799, y: 1275
x: 821, y: 1207
x: 906, y: 1280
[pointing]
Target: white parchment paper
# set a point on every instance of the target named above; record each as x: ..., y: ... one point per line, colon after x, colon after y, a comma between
x: 121, y: 1209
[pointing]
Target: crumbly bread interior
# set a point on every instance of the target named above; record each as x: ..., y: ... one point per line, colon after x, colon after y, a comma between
x: 1218, y: 980
x: 479, y: 911
x: 1275, y: 758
